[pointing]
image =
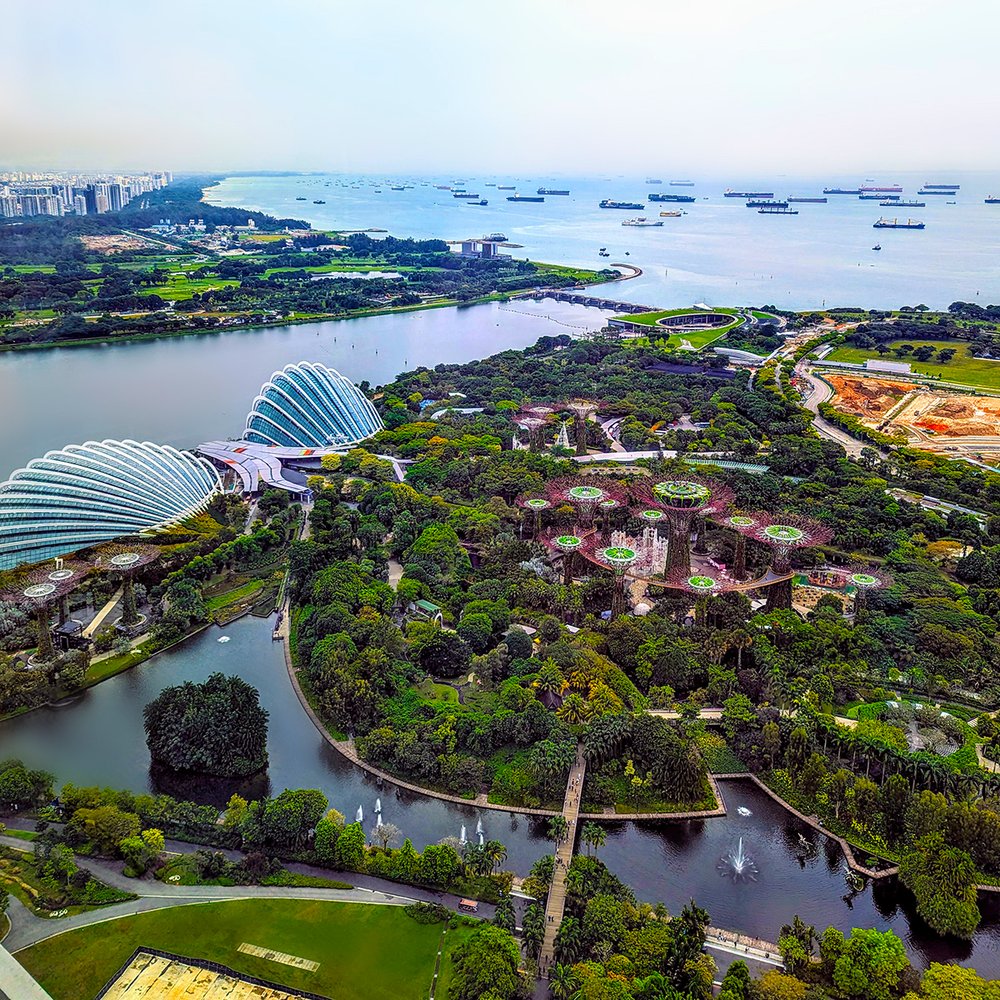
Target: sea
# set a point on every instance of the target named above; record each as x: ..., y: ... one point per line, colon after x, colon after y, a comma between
x: 717, y: 252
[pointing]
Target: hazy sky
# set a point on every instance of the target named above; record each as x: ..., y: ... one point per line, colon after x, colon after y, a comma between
x: 561, y: 86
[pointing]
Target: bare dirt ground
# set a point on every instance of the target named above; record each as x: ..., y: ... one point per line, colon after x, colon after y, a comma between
x: 115, y: 243
x: 949, y: 415
x: 867, y: 398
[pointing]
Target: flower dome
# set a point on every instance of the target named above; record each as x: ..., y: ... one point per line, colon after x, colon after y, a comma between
x: 308, y: 405
x: 95, y: 492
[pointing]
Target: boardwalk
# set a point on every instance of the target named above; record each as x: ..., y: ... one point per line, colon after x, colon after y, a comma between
x: 564, y: 855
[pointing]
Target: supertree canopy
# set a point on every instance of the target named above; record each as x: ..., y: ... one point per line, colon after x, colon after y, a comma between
x: 124, y: 561
x: 745, y: 525
x: 567, y: 544
x: 535, y: 505
x: 38, y: 590
x: 534, y: 425
x: 863, y: 580
x: 784, y: 534
x: 586, y: 494
x: 619, y: 557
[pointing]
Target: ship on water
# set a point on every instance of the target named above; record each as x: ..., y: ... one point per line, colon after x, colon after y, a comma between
x: 870, y: 196
x: 991, y: 200
x: 730, y: 193
x: 656, y: 196
x: 885, y: 187
x: 505, y: 187
x: 896, y: 224
x: 936, y: 190
x: 942, y: 187
x: 550, y: 191
x: 443, y: 187
x: 766, y: 203
x: 841, y: 190
x: 524, y: 197
x: 397, y: 187
x: 902, y: 204
x: 465, y: 194
x: 806, y: 201
x: 777, y: 208
x: 682, y: 184
x: 631, y: 206
x: 653, y: 180
x: 675, y: 214
x: 642, y: 221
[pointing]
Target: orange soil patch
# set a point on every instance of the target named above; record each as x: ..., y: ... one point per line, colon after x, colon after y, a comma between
x: 952, y: 415
x: 115, y: 243
x: 868, y: 398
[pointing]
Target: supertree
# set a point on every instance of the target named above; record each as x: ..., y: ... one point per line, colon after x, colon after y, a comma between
x: 37, y: 591
x: 701, y: 586
x: 582, y: 411
x: 568, y: 546
x: 618, y: 558
x: 586, y: 495
x: 125, y: 561
x: 533, y: 425
x: 864, y: 580
x: 683, y: 500
x: 535, y: 505
x: 744, y: 525
x: 784, y: 534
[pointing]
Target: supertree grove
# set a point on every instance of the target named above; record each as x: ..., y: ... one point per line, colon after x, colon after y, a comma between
x: 784, y: 535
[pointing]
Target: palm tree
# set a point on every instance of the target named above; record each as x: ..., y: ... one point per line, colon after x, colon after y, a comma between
x: 550, y: 679
x: 569, y: 940
x: 495, y: 853
x: 573, y: 710
x: 557, y: 828
x: 563, y: 982
x: 593, y: 836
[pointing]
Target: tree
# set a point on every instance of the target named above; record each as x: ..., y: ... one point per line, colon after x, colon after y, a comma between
x: 870, y: 965
x: 943, y: 880
x: 351, y: 848
x: 485, y: 966
x: 593, y: 835
x: 216, y: 727
x: 386, y: 834
x: 558, y: 825
x: 563, y: 982
x: 736, y: 982
x: 775, y: 985
x: 477, y: 631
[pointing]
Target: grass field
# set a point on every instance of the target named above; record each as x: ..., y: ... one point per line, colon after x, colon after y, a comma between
x: 437, y: 692
x: 364, y: 952
x: 698, y: 339
x: 963, y: 369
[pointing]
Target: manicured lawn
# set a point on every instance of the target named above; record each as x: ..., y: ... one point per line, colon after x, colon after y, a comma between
x: 437, y: 692
x: 963, y: 369
x: 576, y: 273
x: 180, y: 286
x: 698, y: 339
x: 364, y: 952
x: 234, y: 596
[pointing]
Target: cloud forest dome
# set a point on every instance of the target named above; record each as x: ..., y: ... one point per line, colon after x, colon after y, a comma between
x: 307, y: 405
x: 94, y: 492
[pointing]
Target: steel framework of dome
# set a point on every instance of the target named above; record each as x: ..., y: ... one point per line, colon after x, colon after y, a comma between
x: 307, y: 405
x: 95, y: 492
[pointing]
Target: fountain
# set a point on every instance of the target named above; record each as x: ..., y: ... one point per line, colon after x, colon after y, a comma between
x: 479, y: 826
x: 743, y: 811
x: 463, y: 840
x: 378, y: 819
x: 738, y: 865
x: 378, y: 805
x: 481, y: 840
x: 360, y: 817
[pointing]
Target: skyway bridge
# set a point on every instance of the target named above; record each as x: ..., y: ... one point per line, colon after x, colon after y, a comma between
x: 582, y: 299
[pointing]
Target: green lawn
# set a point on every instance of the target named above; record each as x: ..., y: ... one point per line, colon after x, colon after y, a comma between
x: 963, y: 369
x: 228, y: 597
x: 180, y: 286
x: 698, y: 339
x: 365, y: 952
x: 437, y: 692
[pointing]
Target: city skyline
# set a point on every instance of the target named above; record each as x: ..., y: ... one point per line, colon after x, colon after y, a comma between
x: 554, y: 88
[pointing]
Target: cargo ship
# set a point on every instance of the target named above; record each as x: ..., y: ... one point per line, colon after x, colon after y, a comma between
x: 942, y: 187
x: 806, y: 201
x: 896, y: 224
x: 629, y: 206
x: 301, y: 197
x: 398, y: 187
x: 671, y: 215
x: 682, y: 184
x: 885, y: 187
x: 868, y: 196
x: 550, y: 191
x: 443, y: 187
x: 318, y: 201
x: 730, y: 193
x: 653, y: 180
x: 505, y: 187
x: 464, y: 194
x: 671, y: 197
x: 992, y: 200
x: 524, y: 197
x: 777, y: 208
x: 902, y: 204
x: 948, y: 192
x: 481, y: 201
x: 841, y: 190
x: 766, y: 203
x: 642, y: 221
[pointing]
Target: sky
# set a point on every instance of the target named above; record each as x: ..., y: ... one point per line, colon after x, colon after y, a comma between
x: 560, y: 86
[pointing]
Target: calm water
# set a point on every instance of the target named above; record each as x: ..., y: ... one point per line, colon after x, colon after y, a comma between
x: 99, y: 740
x: 720, y: 252
x: 186, y: 390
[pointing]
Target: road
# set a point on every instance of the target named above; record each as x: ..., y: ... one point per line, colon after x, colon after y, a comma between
x: 820, y: 392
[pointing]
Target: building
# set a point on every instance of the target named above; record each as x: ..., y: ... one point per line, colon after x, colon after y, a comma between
x: 95, y: 492
x: 308, y: 405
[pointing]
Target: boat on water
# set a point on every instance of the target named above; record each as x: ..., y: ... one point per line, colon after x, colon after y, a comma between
x: 465, y: 194
x: 896, y: 224
x: 675, y: 214
x: 505, y: 187
x: 883, y: 187
x: 655, y: 196
x: 777, y: 208
x: 805, y: 201
x: 319, y: 201
x: 944, y: 191
x: 730, y: 193
x: 490, y: 184
x: 653, y: 180
x: 682, y: 184
x: 841, y: 190
x: 550, y: 191
x: 878, y: 246
x: 942, y: 187
x: 903, y: 204
x: 766, y: 203
x: 642, y: 221
x: 869, y: 196
x: 630, y: 206
x: 398, y: 187
x: 443, y: 187
x: 300, y: 197
x: 481, y: 201
x: 497, y: 238
x: 991, y: 200
x: 524, y: 197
